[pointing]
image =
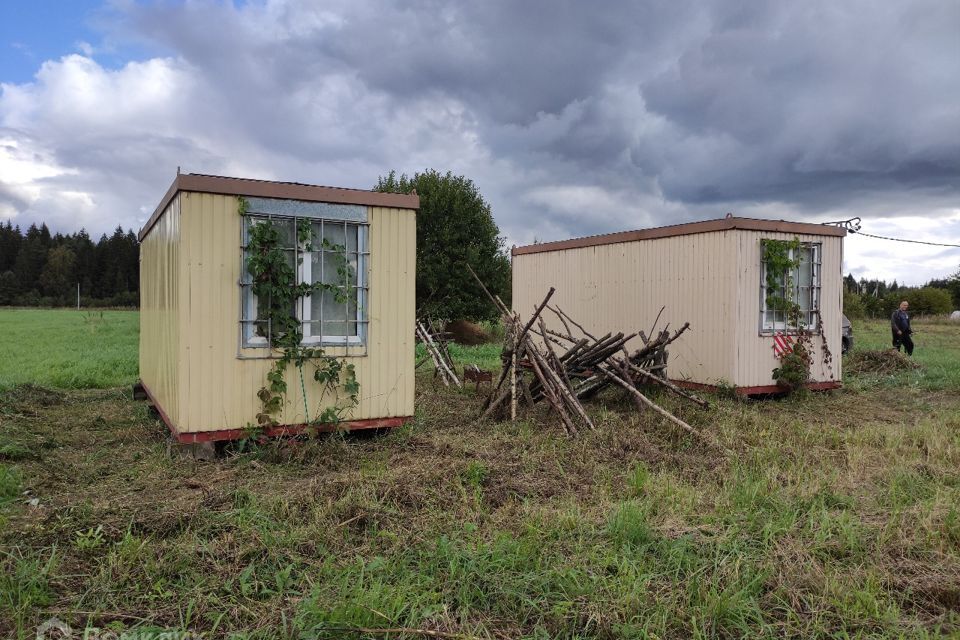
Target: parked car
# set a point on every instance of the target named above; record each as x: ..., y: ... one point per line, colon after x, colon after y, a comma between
x: 846, y: 335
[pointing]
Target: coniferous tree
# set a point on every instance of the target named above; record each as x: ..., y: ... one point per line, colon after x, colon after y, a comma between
x: 40, y: 268
x: 9, y: 288
x: 30, y: 260
x: 10, y: 240
x: 59, y: 273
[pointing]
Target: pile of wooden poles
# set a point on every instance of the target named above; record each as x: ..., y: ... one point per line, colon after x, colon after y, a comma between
x: 570, y: 366
x: 435, y: 343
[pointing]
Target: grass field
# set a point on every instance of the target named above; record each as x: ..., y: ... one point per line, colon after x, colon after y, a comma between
x: 838, y: 516
x: 68, y: 349
x: 936, y: 348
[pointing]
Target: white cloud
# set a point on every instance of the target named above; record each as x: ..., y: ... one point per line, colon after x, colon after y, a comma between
x: 908, y: 263
x: 645, y: 116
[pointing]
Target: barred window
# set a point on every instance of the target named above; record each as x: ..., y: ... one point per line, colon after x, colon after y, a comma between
x: 801, y: 285
x: 336, y: 255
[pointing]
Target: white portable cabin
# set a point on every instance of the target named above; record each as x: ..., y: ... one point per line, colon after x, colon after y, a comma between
x: 711, y: 274
x: 202, y: 356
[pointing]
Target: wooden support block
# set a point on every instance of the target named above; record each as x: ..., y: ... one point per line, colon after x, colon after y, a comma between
x: 203, y: 451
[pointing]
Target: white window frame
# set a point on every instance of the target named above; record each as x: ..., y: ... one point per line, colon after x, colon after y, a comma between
x: 303, y: 265
x: 771, y: 327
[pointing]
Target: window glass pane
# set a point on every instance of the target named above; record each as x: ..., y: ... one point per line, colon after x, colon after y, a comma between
x: 335, y: 262
x: 258, y: 308
x: 339, y: 269
x: 805, y: 275
x: 317, y: 300
x: 288, y: 233
x: 351, y: 240
x: 805, y: 279
x: 339, y: 318
x: 334, y: 234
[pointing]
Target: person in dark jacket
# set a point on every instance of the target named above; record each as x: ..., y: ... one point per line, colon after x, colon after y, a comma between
x: 900, y: 327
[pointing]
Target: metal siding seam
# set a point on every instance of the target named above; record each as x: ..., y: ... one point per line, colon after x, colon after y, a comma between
x: 377, y: 324
x: 173, y: 270
x: 202, y: 286
x: 233, y: 256
x: 391, y: 356
x: 383, y: 317
x: 410, y: 293
x: 389, y: 319
x: 228, y: 305
x: 186, y: 203
x: 398, y: 353
x: 368, y: 382
x: 199, y: 318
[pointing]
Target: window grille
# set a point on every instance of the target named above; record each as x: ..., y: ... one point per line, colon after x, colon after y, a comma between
x: 336, y: 254
x: 801, y: 285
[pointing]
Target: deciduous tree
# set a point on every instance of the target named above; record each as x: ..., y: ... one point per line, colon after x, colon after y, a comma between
x: 455, y: 227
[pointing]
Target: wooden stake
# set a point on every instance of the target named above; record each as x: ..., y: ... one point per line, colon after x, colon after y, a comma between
x: 564, y: 383
x: 669, y: 385
x: 562, y: 314
x: 513, y: 386
x: 446, y: 371
x: 550, y: 394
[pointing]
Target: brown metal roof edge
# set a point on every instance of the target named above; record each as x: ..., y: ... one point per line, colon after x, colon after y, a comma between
x: 721, y: 224
x: 201, y: 183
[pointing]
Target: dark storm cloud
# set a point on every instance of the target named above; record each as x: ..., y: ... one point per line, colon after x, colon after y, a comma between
x: 572, y: 118
x: 818, y: 103
x: 814, y: 104
x: 509, y: 60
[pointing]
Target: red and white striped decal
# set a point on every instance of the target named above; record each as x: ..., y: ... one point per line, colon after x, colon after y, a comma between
x: 782, y: 344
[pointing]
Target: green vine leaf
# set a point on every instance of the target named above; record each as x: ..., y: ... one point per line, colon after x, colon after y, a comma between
x: 274, y: 283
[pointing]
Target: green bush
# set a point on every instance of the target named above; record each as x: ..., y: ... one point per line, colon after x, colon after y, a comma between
x: 924, y: 301
x: 794, y: 369
x: 853, y: 306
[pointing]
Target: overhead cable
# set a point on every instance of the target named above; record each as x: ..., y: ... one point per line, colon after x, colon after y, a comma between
x: 853, y: 226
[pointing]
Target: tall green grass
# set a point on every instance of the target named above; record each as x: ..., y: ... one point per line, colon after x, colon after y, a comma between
x: 485, y: 356
x: 936, y: 348
x: 68, y: 349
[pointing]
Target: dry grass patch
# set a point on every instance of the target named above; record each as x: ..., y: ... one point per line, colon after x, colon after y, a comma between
x: 837, y: 516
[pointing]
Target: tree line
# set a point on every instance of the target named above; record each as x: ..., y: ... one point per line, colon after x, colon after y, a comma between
x: 455, y: 228
x: 40, y: 269
x: 877, y: 298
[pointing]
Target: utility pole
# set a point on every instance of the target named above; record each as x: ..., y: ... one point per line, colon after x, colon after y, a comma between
x: 78, y: 296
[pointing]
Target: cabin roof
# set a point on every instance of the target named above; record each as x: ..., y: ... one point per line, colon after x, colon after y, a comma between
x: 706, y: 226
x: 203, y: 183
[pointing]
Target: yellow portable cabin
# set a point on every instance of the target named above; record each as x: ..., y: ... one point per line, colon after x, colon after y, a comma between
x: 711, y: 274
x: 203, y: 353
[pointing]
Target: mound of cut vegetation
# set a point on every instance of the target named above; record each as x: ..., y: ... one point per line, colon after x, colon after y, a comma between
x: 467, y: 333
x: 882, y: 361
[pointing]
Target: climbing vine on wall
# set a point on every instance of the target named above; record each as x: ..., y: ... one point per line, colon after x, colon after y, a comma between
x: 274, y: 282
x: 781, y: 259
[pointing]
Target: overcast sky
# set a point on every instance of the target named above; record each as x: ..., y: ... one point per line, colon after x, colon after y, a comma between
x: 572, y: 118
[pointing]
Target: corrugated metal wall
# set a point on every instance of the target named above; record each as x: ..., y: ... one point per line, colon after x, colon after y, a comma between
x: 159, y: 310
x: 218, y: 381
x: 621, y: 287
x: 755, y: 356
